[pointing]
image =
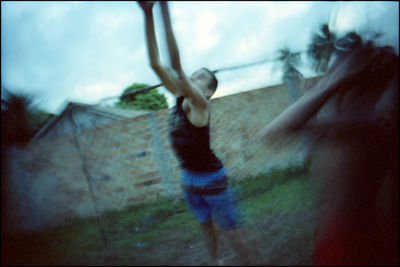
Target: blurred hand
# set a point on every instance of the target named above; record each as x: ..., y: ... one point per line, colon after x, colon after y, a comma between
x: 146, y: 6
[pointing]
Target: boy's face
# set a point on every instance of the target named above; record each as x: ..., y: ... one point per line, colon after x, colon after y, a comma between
x: 202, y: 79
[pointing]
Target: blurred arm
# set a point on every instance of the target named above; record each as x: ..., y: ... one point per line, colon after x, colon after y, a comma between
x: 189, y: 90
x: 344, y: 71
x: 163, y: 73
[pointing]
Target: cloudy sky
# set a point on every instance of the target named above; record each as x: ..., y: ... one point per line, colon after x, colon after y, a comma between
x: 86, y: 51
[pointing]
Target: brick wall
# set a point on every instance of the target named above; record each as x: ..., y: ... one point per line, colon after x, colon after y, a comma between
x: 131, y: 161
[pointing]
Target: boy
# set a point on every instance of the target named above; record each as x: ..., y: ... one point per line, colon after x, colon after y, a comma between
x: 203, y: 177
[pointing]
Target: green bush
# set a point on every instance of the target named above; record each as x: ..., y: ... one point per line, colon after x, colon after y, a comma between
x: 150, y: 100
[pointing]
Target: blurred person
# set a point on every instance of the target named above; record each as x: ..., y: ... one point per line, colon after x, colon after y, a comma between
x: 354, y: 154
x: 203, y: 178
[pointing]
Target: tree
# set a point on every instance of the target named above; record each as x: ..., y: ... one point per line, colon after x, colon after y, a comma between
x: 321, y: 48
x: 325, y: 43
x: 349, y: 42
x: 20, y: 118
x: 291, y: 61
x: 147, y: 100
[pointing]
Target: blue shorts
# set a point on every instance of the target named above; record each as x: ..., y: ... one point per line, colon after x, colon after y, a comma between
x: 207, y: 207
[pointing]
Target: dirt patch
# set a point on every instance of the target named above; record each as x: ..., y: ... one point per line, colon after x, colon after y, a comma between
x: 285, y: 239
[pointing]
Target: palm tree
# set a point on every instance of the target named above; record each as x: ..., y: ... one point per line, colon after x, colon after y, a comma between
x: 350, y: 41
x: 19, y: 118
x: 15, y: 128
x: 291, y: 61
x: 321, y: 48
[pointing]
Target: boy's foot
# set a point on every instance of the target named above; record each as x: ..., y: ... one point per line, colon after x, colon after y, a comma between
x: 218, y: 262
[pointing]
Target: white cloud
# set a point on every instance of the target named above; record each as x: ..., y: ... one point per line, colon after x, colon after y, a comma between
x: 179, y: 20
x: 90, y: 50
x: 204, y: 31
x: 257, y: 76
x: 94, y: 91
x: 248, y: 44
x: 277, y: 11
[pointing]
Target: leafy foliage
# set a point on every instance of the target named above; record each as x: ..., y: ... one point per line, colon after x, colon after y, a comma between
x: 325, y: 43
x: 20, y: 118
x: 321, y: 48
x: 150, y: 100
x: 291, y: 61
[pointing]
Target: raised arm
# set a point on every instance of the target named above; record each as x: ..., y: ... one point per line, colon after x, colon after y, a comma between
x: 298, y: 114
x: 163, y: 73
x: 194, y: 95
x: 171, y: 42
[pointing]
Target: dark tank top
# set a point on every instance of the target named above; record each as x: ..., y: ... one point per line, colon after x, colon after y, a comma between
x: 191, y: 144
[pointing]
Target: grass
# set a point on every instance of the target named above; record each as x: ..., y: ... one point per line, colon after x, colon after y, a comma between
x: 139, y: 228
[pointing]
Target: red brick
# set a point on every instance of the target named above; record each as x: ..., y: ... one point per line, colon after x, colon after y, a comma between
x: 135, y: 199
x: 147, y: 183
x: 148, y: 175
x: 120, y: 189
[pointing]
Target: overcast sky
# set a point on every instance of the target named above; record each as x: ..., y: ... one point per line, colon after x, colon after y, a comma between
x: 85, y: 51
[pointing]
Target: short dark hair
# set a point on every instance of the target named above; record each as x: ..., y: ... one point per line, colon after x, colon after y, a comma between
x: 214, y: 82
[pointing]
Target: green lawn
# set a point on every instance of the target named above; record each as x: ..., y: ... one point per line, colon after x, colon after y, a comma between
x: 133, y: 235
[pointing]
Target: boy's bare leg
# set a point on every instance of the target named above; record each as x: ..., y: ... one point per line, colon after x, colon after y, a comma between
x: 242, y: 249
x: 211, y: 240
